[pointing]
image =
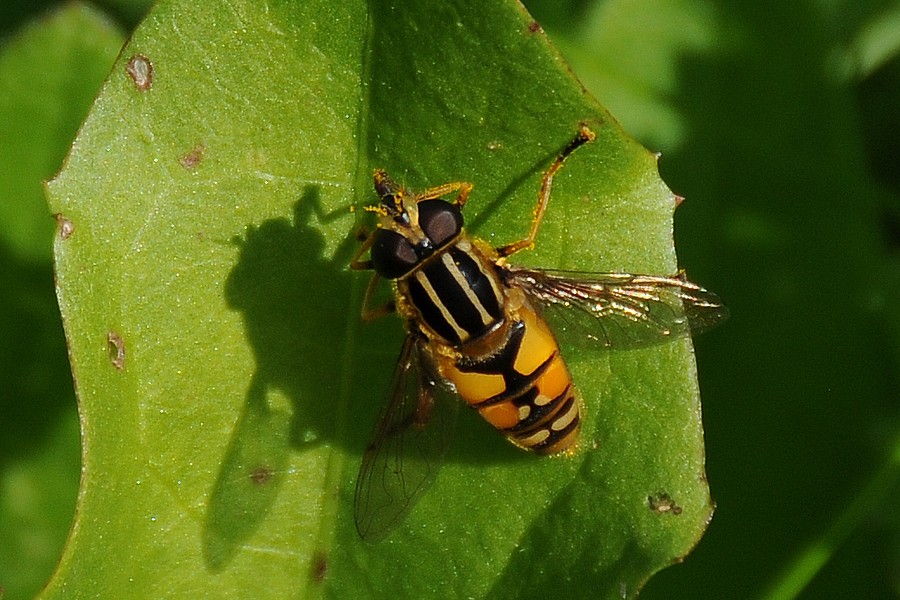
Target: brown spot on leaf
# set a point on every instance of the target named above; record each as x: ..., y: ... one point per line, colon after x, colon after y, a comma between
x: 140, y: 69
x: 663, y: 503
x: 193, y: 158
x: 66, y: 227
x: 116, y: 349
x: 261, y: 475
x: 534, y: 27
x: 319, y: 567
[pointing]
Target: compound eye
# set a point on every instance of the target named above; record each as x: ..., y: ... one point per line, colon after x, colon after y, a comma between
x: 440, y: 220
x: 392, y: 255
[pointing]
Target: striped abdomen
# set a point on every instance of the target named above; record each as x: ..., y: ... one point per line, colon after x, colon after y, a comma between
x: 522, y: 388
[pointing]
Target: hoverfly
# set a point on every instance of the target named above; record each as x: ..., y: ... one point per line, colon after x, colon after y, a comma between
x: 476, y: 331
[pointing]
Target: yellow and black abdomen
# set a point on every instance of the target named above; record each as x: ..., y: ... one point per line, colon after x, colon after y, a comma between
x: 523, y: 388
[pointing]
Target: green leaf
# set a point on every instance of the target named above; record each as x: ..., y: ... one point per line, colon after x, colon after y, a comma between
x: 226, y: 384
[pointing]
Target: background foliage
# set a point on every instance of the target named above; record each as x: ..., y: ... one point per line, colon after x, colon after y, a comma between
x: 778, y: 121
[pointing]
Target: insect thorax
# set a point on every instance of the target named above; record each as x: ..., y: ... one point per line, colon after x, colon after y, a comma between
x: 455, y: 295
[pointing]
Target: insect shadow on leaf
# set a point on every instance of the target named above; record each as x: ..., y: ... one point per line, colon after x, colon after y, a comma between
x: 295, y: 304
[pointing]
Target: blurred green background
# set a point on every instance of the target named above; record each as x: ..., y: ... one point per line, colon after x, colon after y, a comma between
x: 780, y: 123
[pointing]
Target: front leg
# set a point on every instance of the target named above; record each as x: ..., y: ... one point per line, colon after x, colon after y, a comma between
x: 463, y: 187
x: 367, y: 240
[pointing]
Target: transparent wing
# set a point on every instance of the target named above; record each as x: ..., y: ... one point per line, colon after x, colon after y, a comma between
x: 408, y: 445
x: 619, y: 310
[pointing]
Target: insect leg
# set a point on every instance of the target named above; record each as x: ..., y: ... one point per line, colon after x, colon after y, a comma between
x: 362, y: 234
x: 362, y: 265
x: 462, y: 187
x: 584, y: 136
x: 369, y: 313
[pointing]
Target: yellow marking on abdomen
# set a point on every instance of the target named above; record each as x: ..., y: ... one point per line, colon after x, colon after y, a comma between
x: 534, y: 439
x: 562, y: 421
x: 538, y: 344
x: 554, y: 380
x: 475, y: 388
x: 501, y: 416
